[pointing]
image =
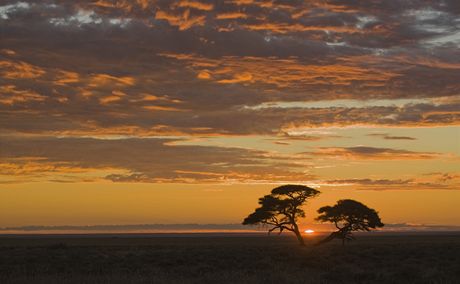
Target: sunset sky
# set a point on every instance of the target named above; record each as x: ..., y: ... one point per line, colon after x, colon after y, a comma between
x: 148, y: 112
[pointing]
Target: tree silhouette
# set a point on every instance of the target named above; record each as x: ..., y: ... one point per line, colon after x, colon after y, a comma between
x: 282, y: 208
x: 348, y: 216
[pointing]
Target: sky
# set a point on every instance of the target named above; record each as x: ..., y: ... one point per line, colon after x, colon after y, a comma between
x: 121, y: 112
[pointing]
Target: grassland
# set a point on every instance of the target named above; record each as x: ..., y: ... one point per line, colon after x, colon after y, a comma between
x: 229, y: 259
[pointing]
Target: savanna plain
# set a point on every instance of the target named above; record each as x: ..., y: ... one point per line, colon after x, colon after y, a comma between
x: 229, y: 258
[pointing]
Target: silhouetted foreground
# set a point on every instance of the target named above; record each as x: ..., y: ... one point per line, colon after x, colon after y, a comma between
x: 348, y: 216
x: 261, y: 259
x: 282, y: 208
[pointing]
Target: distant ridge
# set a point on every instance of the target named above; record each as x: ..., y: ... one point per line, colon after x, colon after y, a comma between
x: 132, y: 227
x: 192, y: 227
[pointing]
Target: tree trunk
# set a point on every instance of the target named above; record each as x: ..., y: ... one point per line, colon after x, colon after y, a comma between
x: 298, y: 235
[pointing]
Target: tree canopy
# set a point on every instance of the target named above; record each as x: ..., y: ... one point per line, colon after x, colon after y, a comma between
x: 282, y: 208
x: 349, y: 215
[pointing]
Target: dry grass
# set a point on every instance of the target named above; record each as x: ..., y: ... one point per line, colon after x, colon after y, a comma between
x: 377, y: 259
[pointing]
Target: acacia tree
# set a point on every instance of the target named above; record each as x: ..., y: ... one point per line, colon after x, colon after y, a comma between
x: 282, y: 208
x: 348, y: 215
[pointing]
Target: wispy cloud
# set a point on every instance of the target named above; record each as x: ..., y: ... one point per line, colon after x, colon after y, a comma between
x: 373, y: 153
x: 142, y: 160
x: 390, y: 137
x: 395, y: 184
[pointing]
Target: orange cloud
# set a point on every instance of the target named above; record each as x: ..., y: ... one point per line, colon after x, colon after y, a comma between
x: 283, y: 28
x: 109, y: 99
x: 283, y: 73
x: 66, y: 77
x: 105, y: 79
x: 237, y: 78
x: 195, y: 5
x: 259, y: 3
x: 183, y: 21
x: 115, y: 96
x: 204, y: 75
x: 40, y: 167
x: 162, y: 108
x: 126, y: 5
x: 19, y: 70
x: 9, y: 95
x: 231, y: 15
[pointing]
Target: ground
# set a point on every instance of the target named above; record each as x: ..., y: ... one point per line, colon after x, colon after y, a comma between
x: 378, y: 258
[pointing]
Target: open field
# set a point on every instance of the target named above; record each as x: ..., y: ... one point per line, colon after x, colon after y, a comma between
x: 228, y: 259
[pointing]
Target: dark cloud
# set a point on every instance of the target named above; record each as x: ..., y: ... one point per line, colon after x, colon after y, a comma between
x: 310, y: 62
x: 150, y: 115
x: 146, y: 68
x: 141, y: 160
x: 104, y: 66
x: 374, y: 153
x: 390, y: 137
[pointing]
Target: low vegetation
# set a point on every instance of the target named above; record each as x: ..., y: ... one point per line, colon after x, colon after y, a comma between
x: 237, y: 259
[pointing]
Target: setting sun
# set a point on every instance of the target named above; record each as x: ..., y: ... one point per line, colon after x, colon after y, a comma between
x: 309, y: 231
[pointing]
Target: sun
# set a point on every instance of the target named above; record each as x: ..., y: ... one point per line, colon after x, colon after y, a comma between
x: 309, y: 231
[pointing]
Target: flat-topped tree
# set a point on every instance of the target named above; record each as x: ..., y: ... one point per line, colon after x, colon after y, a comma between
x: 348, y: 215
x: 282, y: 208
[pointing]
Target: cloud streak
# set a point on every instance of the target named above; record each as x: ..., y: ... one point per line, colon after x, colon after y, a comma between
x: 143, y: 160
x: 373, y: 153
x: 138, y: 72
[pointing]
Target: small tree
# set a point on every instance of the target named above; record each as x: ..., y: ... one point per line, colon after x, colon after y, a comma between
x: 348, y: 216
x: 282, y: 208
